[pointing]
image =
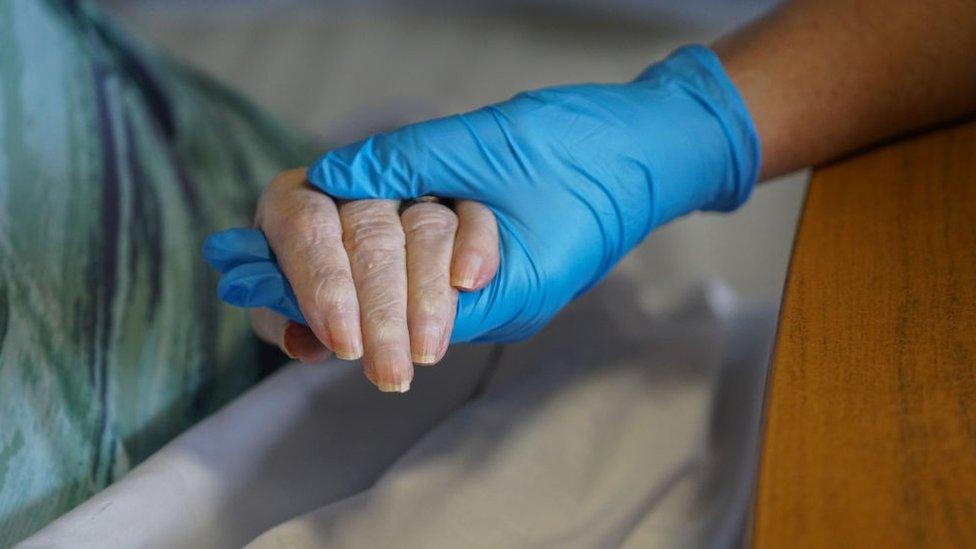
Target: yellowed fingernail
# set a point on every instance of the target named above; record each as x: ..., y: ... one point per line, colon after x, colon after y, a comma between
x: 401, y: 387
x: 287, y: 339
x: 430, y: 336
x: 347, y: 344
x: 393, y: 370
x: 468, y: 269
x: 354, y: 354
x: 287, y: 351
x: 300, y: 343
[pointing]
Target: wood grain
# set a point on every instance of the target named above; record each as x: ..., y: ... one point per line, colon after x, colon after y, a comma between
x: 870, y: 434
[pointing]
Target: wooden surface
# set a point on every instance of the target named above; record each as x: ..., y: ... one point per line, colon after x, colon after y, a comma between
x: 870, y: 434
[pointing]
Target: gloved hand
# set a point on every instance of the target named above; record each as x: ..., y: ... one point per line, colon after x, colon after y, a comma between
x: 576, y: 176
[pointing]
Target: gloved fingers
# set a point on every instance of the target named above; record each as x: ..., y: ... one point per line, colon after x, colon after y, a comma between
x: 476, y: 255
x: 233, y: 247
x: 417, y: 160
x: 431, y: 300
x: 376, y: 167
x: 375, y: 243
x: 295, y: 340
x: 259, y: 284
x: 252, y: 285
x: 304, y: 231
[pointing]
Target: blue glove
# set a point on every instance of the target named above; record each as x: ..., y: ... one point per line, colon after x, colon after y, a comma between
x: 250, y: 276
x: 576, y: 176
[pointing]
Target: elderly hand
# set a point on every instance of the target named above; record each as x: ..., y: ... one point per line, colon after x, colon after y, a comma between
x: 368, y: 281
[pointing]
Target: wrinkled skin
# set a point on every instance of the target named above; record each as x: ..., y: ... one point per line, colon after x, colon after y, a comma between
x: 372, y: 283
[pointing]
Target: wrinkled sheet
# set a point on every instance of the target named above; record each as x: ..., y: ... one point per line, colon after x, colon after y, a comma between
x: 612, y: 427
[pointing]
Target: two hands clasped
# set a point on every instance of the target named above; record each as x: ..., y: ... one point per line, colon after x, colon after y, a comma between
x: 371, y: 282
x: 551, y: 189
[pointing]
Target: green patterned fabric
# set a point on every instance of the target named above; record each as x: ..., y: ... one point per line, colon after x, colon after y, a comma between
x: 115, y: 163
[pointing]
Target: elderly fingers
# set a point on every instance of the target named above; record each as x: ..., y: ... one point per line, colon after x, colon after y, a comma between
x: 303, y: 228
x: 297, y: 341
x: 476, y: 255
x: 374, y: 241
x: 431, y: 301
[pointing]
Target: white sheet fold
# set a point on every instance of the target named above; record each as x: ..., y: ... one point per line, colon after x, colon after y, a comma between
x: 612, y: 427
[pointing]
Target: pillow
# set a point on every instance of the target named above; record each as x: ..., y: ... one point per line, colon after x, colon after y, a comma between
x: 115, y: 163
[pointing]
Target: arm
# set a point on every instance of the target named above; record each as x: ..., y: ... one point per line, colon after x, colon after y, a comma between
x: 823, y: 78
x: 578, y: 175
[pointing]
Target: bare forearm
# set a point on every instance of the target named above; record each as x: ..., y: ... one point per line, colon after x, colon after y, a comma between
x: 826, y: 77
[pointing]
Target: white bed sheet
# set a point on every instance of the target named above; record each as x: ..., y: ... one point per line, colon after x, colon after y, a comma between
x: 613, y: 427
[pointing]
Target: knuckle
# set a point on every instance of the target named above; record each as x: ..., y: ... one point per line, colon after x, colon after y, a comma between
x: 372, y: 264
x: 358, y: 212
x: 386, y: 322
x: 376, y: 236
x: 431, y: 300
x: 429, y: 220
x: 303, y: 209
x: 294, y: 213
x: 479, y: 230
x: 384, y: 300
x: 284, y: 182
x: 331, y: 291
x: 378, y: 266
x: 427, y: 281
x: 310, y: 244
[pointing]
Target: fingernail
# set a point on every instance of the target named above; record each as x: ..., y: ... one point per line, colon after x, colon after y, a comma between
x: 402, y: 387
x: 288, y: 342
x: 286, y: 348
x: 300, y: 343
x: 393, y: 370
x: 430, y: 336
x: 346, y: 339
x: 468, y: 269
